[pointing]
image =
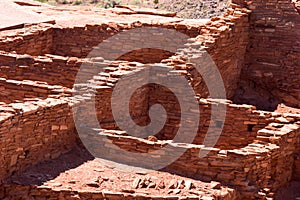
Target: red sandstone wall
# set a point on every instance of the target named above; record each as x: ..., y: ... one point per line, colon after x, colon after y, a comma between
x: 256, y: 171
x: 54, y: 70
x: 226, y: 39
x: 240, y: 127
x: 83, y: 39
x: 272, y: 69
x: 12, y: 90
x: 296, y: 172
x: 29, y: 41
x: 33, y: 132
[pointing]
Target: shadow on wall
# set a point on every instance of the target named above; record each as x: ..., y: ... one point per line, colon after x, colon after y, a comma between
x: 146, y: 56
x: 36, y: 175
x: 250, y: 93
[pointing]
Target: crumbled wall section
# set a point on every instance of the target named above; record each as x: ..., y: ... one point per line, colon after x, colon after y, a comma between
x: 272, y: 65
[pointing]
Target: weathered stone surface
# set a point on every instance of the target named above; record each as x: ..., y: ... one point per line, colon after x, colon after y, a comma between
x: 257, y: 151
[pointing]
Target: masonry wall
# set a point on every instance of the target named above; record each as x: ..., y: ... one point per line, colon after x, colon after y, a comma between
x: 225, y: 39
x: 81, y: 40
x: 54, y: 70
x: 296, y: 172
x: 271, y: 72
x: 146, y: 56
x: 238, y: 130
x: 240, y: 127
x: 33, y: 41
x: 16, y: 91
x: 256, y: 171
x: 33, y: 132
x: 84, y: 38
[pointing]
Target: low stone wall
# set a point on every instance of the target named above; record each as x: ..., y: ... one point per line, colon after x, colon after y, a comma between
x: 33, y: 40
x: 146, y: 56
x: 85, y: 38
x: 34, y: 131
x: 256, y: 171
x: 54, y: 70
x: 12, y: 90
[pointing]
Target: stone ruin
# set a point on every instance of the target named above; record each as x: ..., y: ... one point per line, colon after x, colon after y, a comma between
x: 256, y: 47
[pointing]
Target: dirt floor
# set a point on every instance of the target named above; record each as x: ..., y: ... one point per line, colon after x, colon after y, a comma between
x: 79, y: 171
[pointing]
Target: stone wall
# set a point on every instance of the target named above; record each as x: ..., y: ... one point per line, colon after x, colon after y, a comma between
x: 238, y: 130
x: 227, y: 39
x: 85, y: 38
x: 256, y: 171
x: 296, y: 172
x: 33, y: 41
x: 54, y: 70
x: 271, y: 72
x: 224, y: 38
x: 12, y: 90
x: 240, y: 127
x: 34, y: 131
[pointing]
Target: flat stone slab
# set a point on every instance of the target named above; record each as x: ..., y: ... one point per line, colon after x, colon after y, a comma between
x: 13, y: 15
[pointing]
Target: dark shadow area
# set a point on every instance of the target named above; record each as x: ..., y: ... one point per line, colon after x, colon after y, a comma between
x: 291, y: 191
x: 146, y: 55
x: 48, y: 170
x: 248, y: 92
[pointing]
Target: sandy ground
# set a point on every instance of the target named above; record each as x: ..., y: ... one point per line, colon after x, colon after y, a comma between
x: 194, y: 9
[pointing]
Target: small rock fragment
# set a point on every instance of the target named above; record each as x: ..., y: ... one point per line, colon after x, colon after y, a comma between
x: 215, y: 185
x: 173, y: 184
x: 72, y: 181
x: 160, y: 185
x: 188, y: 184
x: 142, y: 183
x: 56, y: 184
x: 128, y: 191
x: 141, y: 172
x: 180, y: 184
x: 176, y: 191
x: 99, y: 170
x: 135, y: 183
x: 152, y: 138
x: 151, y: 185
x: 105, y: 178
x: 93, y: 184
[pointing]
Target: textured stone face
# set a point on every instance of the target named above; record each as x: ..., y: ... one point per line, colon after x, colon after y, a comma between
x: 271, y: 72
x: 256, y: 53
